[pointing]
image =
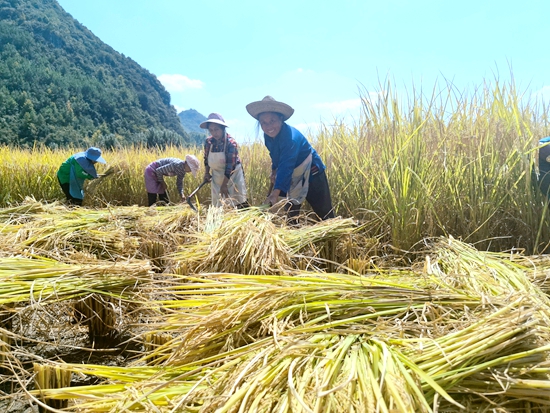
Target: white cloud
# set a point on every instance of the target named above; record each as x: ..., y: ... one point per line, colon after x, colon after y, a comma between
x: 310, y: 128
x: 543, y: 93
x: 340, y: 106
x: 179, y: 109
x: 179, y: 83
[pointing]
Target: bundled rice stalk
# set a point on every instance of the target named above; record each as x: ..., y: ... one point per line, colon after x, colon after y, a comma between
x: 140, y: 388
x: 70, y: 230
x: 46, y: 280
x: 246, y: 242
x: 461, y: 267
x: 51, y: 377
x: 223, y: 311
x: 330, y: 229
x: 99, y: 315
x: 320, y: 372
x: 257, y: 246
x: 504, y: 341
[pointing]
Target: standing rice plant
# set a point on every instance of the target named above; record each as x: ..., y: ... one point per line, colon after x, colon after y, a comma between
x: 446, y: 163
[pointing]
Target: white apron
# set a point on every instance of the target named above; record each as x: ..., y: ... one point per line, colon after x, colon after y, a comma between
x: 300, y: 182
x: 236, y: 185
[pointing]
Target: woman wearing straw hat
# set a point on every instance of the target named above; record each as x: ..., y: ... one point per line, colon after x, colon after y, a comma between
x: 223, y: 165
x: 75, y: 170
x: 297, y: 172
x: 157, y: 170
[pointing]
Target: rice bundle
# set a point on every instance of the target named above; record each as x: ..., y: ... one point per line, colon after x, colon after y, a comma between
x: 46, y: 280
x: 68, y: 231
x: 245, y: 242
x: 249, y: 242
x: 51, y: 377
x: 98, y: 314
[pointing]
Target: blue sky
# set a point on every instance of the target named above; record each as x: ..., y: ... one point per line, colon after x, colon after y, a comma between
x: 319, y: 56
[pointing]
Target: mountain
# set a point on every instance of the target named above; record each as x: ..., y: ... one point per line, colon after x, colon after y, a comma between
x: 191, y: 119
x: 60, y: 84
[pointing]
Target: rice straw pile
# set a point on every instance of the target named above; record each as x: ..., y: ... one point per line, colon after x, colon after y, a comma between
x: 238, y: 326
x: 392, y: 340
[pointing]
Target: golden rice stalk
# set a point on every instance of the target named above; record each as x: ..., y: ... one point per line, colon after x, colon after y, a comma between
x: 461, y: 267
x: 51, y: 377
x: 502, y: 340
x: 321, y: 373
x: 5, y: 348
x: 249, y: 242
x: 99, y: 315
x: 46, y: 280
x: 223, y: 311
x: 246, y: 242
x: 152, y: 342
x: 68, y: 230
x: 299, y: 238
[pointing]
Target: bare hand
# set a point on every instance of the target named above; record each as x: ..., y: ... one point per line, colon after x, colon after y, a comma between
x: 272, y: 199
x: 207, y: 177
x: 224, y: 191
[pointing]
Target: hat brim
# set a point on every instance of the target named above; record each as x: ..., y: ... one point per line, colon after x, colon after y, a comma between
x: 255, y: 109
x: 204, y: 125
x: 100, y: 159
x: 83, y: 155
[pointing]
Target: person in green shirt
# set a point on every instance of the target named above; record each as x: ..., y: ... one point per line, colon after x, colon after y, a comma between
x: 75, y: 170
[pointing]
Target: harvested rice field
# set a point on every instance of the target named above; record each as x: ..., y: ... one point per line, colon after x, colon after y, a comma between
x: 428, y: 292
x: 164, y: 309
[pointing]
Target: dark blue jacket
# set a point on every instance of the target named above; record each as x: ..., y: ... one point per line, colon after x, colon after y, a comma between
x: 288, y: 150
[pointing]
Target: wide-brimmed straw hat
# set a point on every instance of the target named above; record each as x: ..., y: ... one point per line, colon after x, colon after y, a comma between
x: 213, y: 118
x: 94, y: 154
x: 193, y: 164
x: 268, y: 104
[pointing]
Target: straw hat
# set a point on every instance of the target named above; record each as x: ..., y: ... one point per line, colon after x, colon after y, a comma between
x: 213, y: 118
x: 268, y: 104
x: 94, y: 154
x: 193, y: 164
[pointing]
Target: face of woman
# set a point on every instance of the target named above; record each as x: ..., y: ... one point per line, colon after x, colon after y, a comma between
x: 215, y: 130
x: 270, y: 123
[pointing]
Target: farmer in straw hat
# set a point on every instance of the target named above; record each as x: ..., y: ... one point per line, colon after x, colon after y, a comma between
x: 297, y: 172
x: 223, y: 165
x: 75, y: 170
x: 157, y: 170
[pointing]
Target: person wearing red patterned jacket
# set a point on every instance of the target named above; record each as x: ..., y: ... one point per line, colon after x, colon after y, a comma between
x: 223, y: 166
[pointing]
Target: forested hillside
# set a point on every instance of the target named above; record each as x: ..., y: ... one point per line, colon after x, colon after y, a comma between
x: 191, y: 119
x: 60, y: 84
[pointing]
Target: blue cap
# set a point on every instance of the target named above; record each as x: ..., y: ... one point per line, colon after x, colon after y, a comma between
x: 94, y: 154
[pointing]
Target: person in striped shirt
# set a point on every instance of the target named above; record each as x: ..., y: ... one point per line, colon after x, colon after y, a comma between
x: 157, y: 170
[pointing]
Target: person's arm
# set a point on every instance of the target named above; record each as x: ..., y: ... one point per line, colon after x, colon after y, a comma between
x: 231, y: 156
x: 179, y: 184
x: 207, y: 146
